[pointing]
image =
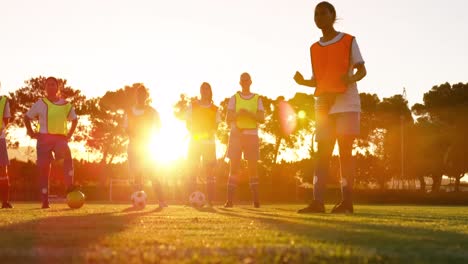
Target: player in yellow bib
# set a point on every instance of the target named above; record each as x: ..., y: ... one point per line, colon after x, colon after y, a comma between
x: 53, y: 114
x: 245, y: 113
x: 202, y: 122
x: 337, y: 65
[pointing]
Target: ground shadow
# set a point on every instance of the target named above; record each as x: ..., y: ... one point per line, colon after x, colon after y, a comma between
x: 389, y: 240
x: 60, y: 239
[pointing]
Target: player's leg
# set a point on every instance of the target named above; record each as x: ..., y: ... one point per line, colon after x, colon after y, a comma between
x: 250, y: 145
x: 62, y: 152
x: 135, y: 166
x: 193, y: 167
x: 158, y: 190
x: 209, y: 165
x: 325, y: 138
x: 347, y: 130
x: 153, y: 174
x: 234, y: 153
x: 44, y: 158
x: 4, y: 180
x: 5, y: 187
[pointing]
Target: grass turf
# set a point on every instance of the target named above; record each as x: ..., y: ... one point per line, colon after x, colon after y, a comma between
x: 111, y: 233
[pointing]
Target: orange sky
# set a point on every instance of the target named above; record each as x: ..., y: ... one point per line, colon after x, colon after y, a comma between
x: 173, y: 46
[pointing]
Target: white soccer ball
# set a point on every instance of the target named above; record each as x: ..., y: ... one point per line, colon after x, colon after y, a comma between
x: 139, y: 199
x: 197, y: 199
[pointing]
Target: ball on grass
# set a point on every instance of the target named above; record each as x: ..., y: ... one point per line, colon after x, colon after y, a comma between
x: 75, y: 199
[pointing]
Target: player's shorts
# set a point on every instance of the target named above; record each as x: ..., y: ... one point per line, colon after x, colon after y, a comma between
x: 240, y: 143
x: 50, y: 147
x: 334, y: 125
x: 204, y: 149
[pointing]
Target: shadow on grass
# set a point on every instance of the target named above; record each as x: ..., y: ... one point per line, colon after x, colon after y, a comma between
x: 61, y: 239
x: 391, y: 241
x: 206, y: 209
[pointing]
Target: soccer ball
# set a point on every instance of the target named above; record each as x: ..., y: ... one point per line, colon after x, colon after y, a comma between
x: 197, y: 199
x: 139, y: 199
x: 75, y: 199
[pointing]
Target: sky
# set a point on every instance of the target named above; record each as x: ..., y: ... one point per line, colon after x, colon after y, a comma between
x: 174, y: 46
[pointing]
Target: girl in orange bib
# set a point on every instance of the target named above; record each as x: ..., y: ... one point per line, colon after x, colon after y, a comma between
x: 337, y: 65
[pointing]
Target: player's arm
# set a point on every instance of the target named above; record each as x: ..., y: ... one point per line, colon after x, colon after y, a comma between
x: 29, y: 116
x: 6, y: 114
x: 27, y: 124
x: 260, y: 116
x: 301, y: 81
x: 74, y: 119
x: 231, y: 114
x: 361, y: 72
x: 72, y: 128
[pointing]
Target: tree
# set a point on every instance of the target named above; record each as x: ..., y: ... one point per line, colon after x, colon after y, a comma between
x: 106, y: 115
x: 289, y: 121
x: 425, y: 152
x: 446, y: 106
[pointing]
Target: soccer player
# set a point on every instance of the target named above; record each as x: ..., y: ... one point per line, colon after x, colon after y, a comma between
x: 140, y: 123
x: 202, y: 122
x: 245, y: 112
x: 337, y: 65
x: 53, y: 114
x: 4, y: 161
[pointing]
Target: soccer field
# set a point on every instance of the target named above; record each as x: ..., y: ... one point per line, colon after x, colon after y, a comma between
x: 108, y: 233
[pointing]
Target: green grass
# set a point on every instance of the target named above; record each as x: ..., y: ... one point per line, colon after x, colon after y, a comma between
x: 108, y: 233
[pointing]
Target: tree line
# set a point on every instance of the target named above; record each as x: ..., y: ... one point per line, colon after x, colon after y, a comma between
x: 399, y: 146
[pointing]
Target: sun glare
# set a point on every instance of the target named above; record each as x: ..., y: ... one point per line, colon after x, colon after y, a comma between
x: 171, y: 143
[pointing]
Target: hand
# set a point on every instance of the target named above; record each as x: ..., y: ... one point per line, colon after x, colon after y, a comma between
x: 33, y: 134
x: 243, y: 112
x: 299, y: 78
x: 69, y: 136
x: 347, y: 79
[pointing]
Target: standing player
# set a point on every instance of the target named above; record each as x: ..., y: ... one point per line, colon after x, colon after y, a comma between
x: 202, y: 122
x: 141, y: 122
x: 335, y: 57
x: 245, y: 113
x: 4, y: 161
x: 53, y: 113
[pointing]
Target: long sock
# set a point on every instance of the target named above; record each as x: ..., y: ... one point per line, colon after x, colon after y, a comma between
x: 5, y: 190
x: 254, y: 189
x: 44, y: 171
x: 348, y: 172
x: 210, y: 190
x: 159, y: 192
x: 230, y: 193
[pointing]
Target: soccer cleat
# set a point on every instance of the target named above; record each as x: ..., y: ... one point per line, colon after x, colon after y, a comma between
x: 343, y: 208
x: 45, y: 205
x: 228, y: 204
x: 314, y: 207
x: 256, y: 204
x: 6, y: 205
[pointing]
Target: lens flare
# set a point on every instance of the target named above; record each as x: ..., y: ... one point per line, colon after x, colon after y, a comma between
x: 287, y: 118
